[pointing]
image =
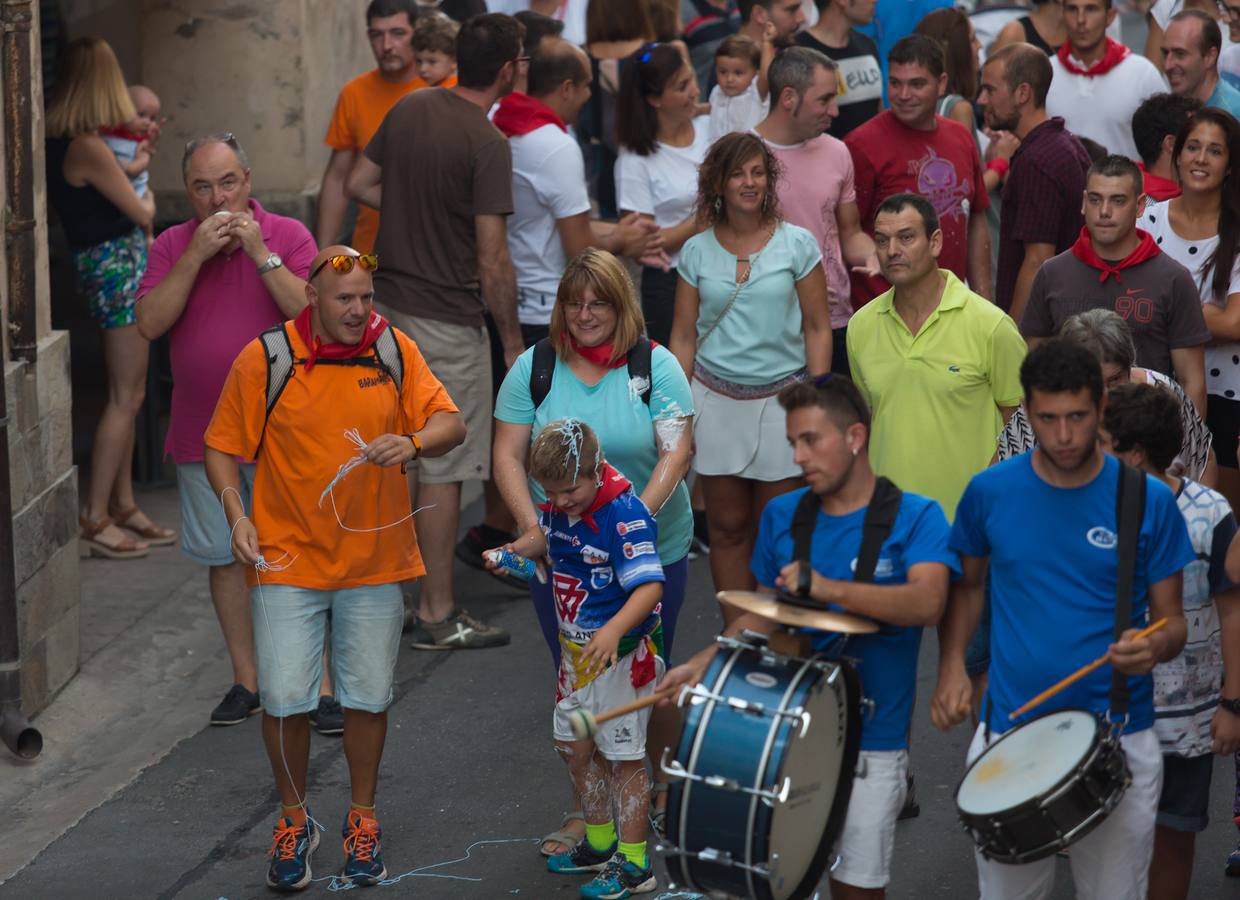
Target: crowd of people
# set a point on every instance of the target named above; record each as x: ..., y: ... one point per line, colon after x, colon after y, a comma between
x: 661, y: 278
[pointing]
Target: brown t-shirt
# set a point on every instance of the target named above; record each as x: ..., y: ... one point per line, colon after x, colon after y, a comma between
x: 1157, y: 298
x: 443, y: 163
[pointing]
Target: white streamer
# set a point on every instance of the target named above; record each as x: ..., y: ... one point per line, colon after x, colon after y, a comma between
x: 352, y: 463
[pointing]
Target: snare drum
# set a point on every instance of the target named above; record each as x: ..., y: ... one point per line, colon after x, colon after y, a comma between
x: 1042, y: 786
x: 762, y: 776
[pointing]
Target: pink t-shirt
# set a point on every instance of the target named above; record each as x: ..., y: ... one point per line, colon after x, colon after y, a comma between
x: 817, y: 178
x: 227, y: 308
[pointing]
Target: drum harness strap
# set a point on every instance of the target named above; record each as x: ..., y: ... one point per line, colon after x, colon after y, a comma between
x: 1130, y: 510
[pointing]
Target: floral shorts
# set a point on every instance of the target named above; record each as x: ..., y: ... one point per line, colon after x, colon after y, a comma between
x: 109, y: 274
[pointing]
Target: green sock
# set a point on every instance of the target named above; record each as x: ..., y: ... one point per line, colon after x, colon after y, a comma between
x: 601, y: 837
x: 635, y: 853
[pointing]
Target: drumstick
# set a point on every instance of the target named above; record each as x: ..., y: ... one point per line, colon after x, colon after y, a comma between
x: 1079, y: 674
x: 585, y: 724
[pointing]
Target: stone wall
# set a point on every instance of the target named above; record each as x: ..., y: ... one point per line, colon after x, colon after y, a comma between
x: 42, y: 477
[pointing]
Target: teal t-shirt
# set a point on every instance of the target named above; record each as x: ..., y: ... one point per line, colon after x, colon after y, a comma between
x: 760, y: 340
x: 624, y: 424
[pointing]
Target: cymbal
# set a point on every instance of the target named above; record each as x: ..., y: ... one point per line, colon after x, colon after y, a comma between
x: 768, y: 607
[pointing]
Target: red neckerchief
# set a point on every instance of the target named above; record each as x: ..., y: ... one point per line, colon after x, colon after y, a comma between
x: 319, y: 350
x: 1083, y: 250
x: 599, y: 354
x: 124, y: 133
x: 613, y: 485
x: 520, y: 114
x: 1116, y: 54
x: 1157, y: 187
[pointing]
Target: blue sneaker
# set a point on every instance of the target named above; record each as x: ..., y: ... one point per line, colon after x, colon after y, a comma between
x: 582, y: 858
x: 619, y: 879
x: 1233, y: 862
x: 291, y: 846
x: 363, y: 864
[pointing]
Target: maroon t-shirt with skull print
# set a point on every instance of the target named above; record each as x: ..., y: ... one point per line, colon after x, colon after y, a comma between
x: 942, y: 165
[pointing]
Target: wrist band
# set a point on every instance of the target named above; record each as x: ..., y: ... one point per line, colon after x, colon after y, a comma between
x: 999, y: 167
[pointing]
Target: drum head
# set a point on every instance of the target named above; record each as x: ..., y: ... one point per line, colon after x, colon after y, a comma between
x: 820, y: 766
x: 1027, y: 762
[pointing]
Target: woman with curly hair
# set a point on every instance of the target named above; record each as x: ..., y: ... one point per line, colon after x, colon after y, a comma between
x: 751, y: 316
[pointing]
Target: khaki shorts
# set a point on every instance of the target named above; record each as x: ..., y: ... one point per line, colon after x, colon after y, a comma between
x: 460, y: 357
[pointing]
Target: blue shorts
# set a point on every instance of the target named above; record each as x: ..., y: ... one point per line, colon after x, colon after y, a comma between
x: 204, y: 529
x: 290, y: 623
x: 1185, y: 801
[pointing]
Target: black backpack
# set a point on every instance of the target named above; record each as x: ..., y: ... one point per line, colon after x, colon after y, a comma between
x: 544, y: 367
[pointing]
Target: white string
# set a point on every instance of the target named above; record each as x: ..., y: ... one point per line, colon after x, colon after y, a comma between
x: 330, y: 491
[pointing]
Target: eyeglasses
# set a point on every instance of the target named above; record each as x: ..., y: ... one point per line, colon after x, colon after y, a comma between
x: 594, y: 307
x: 344, y: 264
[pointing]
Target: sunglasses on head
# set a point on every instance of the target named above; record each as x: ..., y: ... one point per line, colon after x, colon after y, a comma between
x: 835, y: 384
x: 344, y: 264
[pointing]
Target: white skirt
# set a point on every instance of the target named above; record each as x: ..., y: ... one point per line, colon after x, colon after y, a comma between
x: 744, y: 438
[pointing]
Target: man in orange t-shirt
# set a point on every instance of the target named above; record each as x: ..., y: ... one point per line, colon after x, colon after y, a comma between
x: 342, y: 552
x: 360, y: 108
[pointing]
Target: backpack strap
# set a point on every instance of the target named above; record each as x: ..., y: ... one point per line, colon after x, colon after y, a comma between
x: 279, y: 352
x: 1129, y: 511
x: 804, y: 518
x: 389, y: 357
x: 639, y: 365
x: 541, y: 370
x: 880, y: 518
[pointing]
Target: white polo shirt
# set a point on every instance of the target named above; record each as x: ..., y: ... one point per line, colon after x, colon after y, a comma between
x: 1100, y: 108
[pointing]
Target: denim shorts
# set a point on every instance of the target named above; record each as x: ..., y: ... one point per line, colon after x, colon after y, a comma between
x: 204, y: 529
x: 1185, y: 801
x: 289, y: 626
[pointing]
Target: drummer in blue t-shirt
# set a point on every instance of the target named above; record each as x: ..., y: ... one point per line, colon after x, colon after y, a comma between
x: 1045, y: 524
x: 828, y: 426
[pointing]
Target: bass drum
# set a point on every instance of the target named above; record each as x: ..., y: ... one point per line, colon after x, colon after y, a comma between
x: 763, y: 773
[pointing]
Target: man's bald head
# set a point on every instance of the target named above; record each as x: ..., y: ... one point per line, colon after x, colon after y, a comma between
x: 317, y: 267
x: 556, y: 61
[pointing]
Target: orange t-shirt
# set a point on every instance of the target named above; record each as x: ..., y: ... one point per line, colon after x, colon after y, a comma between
x: 302, y: 450
x: 360, y: 108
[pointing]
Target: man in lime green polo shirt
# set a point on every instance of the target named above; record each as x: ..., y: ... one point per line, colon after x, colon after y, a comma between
x: 938, y: 364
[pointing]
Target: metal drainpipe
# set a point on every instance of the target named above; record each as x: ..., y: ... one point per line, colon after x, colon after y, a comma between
x: 16, y: 19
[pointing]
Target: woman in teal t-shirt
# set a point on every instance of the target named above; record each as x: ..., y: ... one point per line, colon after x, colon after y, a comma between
x: 595, y: 323
x: 751, y: 317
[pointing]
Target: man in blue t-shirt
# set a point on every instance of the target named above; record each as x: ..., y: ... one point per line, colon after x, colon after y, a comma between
x: 1045, y: 524
x: 829, y: 428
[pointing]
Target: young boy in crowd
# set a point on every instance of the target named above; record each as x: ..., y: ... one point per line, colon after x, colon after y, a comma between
x: 607, y: 583
x: 1142, y: 427
x: 739, y: 100
x: 133, y: 143
x: 434, y: 42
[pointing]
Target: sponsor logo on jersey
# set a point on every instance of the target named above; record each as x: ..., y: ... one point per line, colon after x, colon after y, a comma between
x: 600, y: 578
x: 1102, y: 538
x: 593, y: 556
x: 639, y: 549
x: 568, y: 596
x: 623, y: 528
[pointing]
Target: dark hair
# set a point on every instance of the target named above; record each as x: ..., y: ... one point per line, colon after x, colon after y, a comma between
x: 740, y: 46
x: 484, y: 45
x: 381, y: 9
x: 552, y: 64
x: 1211, y: 36
x: 1025, y: 64
x: 537, y: 26
x: 1160, y: 115
x: 795, y: 68
x: 1224, y: 256
x: 723, y: 158
x: 1115, y: 166
x: 1061, y: 366
x: 920, y: 50
x: 436, y: 33
x: 617, y: 20
x: 746, y: 7
x: 897, y: 203
x: 1145, y: 417
x: 950, y: 27
x: 1095, y: 151
x: 647, y: 75
x: 664, y: 19
x: 835, y: 395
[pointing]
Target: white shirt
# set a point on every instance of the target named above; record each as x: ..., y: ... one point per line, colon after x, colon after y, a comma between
x: 739, y: 113
x: 1101, y: 107
x: 548, y: 183
x: 1222, y: 371
x: 571, y: 12
x: 663, y: 184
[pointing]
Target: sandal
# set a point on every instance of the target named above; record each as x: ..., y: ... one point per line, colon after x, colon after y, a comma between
x: 567, y: 839
x: 152, y: 534
x: 658, y: 817
x: 125, y: 548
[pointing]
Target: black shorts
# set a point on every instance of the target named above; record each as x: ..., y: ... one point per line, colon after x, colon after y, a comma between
x: 1223, y: 420
x: 658, y: 295
x: 1185, y: 801
x: 530, y: 335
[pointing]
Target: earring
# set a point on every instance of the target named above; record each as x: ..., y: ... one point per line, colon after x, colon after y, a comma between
x: 718, y: 205
x: 856, y: 450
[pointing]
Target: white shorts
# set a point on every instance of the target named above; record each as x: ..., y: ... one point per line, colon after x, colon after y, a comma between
x: 1112, y: 862
x: 620, y: 739
x: 864, y: 846
x: 744, y: 438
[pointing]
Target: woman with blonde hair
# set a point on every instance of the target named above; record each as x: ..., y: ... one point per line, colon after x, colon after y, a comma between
x: 598, y: 366
x: 104, y: 221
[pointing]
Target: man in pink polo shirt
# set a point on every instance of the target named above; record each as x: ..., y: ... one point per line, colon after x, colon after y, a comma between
x: 213, y: 284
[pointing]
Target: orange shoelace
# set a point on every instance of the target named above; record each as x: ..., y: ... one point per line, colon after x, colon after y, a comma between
x: 284, y: 844
x: 362, y: 839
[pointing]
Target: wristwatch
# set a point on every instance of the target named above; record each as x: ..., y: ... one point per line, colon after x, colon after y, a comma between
x: 1232, y: 706
x: 417, y: 450
x: 273, y: 262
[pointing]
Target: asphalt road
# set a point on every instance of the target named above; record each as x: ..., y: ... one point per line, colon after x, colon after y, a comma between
x: 469, y: 782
